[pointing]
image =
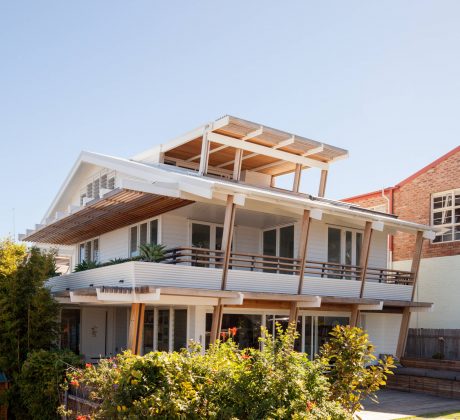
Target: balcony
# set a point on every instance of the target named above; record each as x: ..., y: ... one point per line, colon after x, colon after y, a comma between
x: 201, y: 268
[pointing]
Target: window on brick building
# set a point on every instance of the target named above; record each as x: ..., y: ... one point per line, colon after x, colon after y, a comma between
x: 445, y: 212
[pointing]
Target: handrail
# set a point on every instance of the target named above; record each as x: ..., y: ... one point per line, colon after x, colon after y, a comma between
x: 213, y: 258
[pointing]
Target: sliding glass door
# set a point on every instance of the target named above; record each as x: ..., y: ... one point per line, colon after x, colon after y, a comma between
x: 278, y: 242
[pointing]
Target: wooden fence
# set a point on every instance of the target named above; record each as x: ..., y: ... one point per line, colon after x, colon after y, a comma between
x: 430, y: 342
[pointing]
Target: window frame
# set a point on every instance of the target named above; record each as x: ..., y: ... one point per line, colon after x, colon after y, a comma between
x: 82, y: 246
x: 148, y: 238
x: 212, y: 232
x: 452, y: 225
x: 278, y: 228
x: 343, y: 242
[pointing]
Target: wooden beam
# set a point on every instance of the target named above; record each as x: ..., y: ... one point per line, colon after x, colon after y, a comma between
x: 215, y: 322
x: 297, y: 174
x: 204, y: 156
x: 322, y: 183
x: 136, y: 327
x: 293, y: 312
x: 237, y: 164
x: 227, y: 236
x: 266, y: 151
x: 416, y: 260
x: 304, y: 230
x: 354, y: 318
x: 402, y: 339
x: 364, y: 258
x: 211, y: 151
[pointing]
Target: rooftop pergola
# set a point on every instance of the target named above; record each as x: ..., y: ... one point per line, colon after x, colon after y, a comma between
x: 231, y: 145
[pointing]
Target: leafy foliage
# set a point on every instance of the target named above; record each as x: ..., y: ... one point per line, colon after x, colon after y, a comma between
x: 28, y: 313
x: 40, y: 381
x: 152, y: 252
x: 349, y: 360
x: 86, y: 265
x: 224, y: 383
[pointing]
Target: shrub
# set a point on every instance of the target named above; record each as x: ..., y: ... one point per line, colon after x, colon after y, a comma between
x: 40, y: 381
x: 86, y: 265
x: 152, y: 252
x: 223, y: 383
x: 349, y: 362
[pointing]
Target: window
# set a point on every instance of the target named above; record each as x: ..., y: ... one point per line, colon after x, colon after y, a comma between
x: 88, y: 251
x: 165, y: 329
x: 70, y: 327
x: 278, y: 242
x: 141, y: 234
x: 344, y: 246
x: 445, y: 212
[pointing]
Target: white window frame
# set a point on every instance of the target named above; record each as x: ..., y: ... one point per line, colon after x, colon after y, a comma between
x: 93, y: 256
x: 277, y: 228
x: 213, y: 226
x: 343, y: 242
x: 149, y: 239
x: 452, y: 225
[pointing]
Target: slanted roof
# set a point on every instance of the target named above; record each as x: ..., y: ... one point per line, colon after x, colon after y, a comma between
x: 229, y: 133
x: 152, y: 189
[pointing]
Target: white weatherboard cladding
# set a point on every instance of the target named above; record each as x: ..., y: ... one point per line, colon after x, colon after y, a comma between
x: 103, y: 276
x: 174, y: 230
x: 247, y: 239
x: 114, y: 244
x: 383, y: 330
x: 177, y: 276
x: 156, y: 274
x: 438, y: 282
x: 378, y: 251
x: 317, y: 241
x: 248, y: 281
x: 331, y: 287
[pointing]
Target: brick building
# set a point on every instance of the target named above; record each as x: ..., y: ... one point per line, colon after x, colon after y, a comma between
x: 429, y: 196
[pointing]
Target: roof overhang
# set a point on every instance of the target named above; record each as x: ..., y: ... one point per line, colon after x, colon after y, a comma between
x: 116, y: 209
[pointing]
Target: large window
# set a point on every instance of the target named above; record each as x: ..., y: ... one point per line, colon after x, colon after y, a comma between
x: 165, y: 329
x: 141, y: 234
x: 344, y: 246
x: 445, y: 212
x: 278, y: 242
x: 88, y: 251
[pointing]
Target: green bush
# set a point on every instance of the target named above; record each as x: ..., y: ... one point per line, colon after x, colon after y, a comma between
x: 224, y: 383
x: 152, y: 252
x: 349, y: 360
x: 41, y: 379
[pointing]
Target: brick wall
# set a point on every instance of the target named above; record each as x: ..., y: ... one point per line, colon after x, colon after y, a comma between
x: 412, y: 201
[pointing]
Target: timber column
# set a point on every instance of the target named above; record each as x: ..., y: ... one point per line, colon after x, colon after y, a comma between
x: 136, y: 327
x: 405, y: 321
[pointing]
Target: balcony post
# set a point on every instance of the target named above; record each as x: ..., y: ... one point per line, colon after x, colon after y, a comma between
x: 354, y: 319
x: 322, y: 183
x: 136, y: 327
x: 305, y: 228
x: 297, y: 175
x: 227, y: 236
x: 204, y: 156
x: 364, y: 258
x: 405, y: 321
x: 237, y: 164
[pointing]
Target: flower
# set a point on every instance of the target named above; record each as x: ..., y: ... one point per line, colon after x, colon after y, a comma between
x: 310, y: 405
x: 245, y: 356
x: 75, y: 383
x: 88, y: 365
x: 233, y: 331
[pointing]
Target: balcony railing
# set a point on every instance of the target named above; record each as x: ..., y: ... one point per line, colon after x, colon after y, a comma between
x: 203, y: 257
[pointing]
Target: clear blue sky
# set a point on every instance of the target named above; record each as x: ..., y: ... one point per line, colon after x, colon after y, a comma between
x: 381, y: 79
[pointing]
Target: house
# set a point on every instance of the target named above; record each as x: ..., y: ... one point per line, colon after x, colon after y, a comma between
x: 429, y: 196
x: 241, y: 252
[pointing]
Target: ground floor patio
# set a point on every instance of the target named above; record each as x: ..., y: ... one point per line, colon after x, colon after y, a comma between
x: 397, y: 405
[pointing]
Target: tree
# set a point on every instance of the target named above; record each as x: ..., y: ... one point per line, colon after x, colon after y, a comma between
x: 28, y: 312
x: 350, y: 365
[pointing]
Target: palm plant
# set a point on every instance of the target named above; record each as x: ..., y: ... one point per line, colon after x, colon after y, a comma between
x: 152, y: 252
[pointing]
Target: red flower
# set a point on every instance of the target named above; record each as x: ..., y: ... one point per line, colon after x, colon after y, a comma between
x: 245, y: 356
x: 233, y: 331
x: 310, y: 405
x: 82, y: 418
x: 88, y: 365
x: 75, y: 383
x: 223, y: 334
